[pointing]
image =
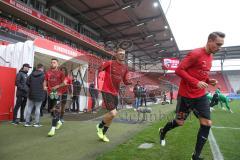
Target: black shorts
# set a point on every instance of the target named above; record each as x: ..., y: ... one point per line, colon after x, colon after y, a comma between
x: 64, y: 98
x: 111, y: 101
x: 200, y: 107
x: 52, y: 103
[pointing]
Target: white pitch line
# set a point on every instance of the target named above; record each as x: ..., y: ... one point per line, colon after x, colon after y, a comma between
x: 218, y: 127
x: 217, y: 155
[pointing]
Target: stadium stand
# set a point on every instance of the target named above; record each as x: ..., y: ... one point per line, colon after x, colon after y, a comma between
x: 2, y: 42
x: 233, y: 77
x: 16, y: 27
x: 221, y: 82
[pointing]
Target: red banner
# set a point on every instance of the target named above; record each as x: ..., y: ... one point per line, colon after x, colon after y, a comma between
x: 59, y: 48
x: 63, y: 49
x: 170, y: 63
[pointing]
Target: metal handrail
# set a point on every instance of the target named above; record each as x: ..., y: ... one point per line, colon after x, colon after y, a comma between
x: 5, y: 60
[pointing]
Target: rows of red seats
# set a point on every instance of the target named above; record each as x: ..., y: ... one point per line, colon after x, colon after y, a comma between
x: 145, y: 80
x: 4, y: 42
x: 33, y: 34
x: 221, y: 82
x: 174, y: 79
x: 215, y: 75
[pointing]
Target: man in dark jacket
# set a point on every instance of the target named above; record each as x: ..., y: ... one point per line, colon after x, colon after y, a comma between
x: 36, y: 94
x: 143, y: 96
x: 44, y: 102
x: 76, y: 92
x: 65, y: 90
x: 171, y: 94
x: 22, y: 92
x: 94, y: 95
x: 137, y: 94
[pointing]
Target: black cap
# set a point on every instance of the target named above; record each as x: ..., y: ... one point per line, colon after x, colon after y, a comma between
x: 27, y: 65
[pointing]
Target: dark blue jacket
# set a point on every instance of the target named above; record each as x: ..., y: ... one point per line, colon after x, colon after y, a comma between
x: 35, y: 83
x: 93, y: 91
x: 76, y: 88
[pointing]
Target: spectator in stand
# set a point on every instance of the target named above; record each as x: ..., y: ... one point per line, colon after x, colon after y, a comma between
x: 137, y: 94
x: 122, y: 97
x: 143, y: 95
x: 171, y: 94
x: 76, y: 93
x: 22, y: 92
x: 164, y: 97
x: 152, y: 96
x: 94, y: 95
x: 43, y: 103
x: 65, y: 91
x: 36, y: 95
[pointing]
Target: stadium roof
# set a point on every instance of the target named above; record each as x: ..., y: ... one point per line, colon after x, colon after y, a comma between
x: 135, y: 20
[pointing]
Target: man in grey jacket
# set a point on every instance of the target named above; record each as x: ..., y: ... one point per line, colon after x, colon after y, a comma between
x: 36, y: 94
x: 22, y: 92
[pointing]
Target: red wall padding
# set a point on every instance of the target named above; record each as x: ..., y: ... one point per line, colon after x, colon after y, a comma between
x: 7, y: 92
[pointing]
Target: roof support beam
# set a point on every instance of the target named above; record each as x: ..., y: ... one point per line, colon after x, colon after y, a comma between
x: 100, y: 16
x: 51, y: 3
x: 152, y: 49
x: 162, y: 54
x: 143, y: 20
x: 135, y: 34
x: 107, y: 7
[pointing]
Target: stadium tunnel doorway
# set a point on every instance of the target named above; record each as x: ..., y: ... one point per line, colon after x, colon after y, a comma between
x: 42, y: 51
x: 74, y: 67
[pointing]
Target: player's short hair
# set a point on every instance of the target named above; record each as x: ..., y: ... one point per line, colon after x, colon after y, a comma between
x: 40, y: 66
x: 64, y: 70
x: 54, y: 59
x: 214, y: 35
x: 116, y: 52
x: 119, y: 49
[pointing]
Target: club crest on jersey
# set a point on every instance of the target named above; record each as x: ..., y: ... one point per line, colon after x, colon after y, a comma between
x: 204, y: 64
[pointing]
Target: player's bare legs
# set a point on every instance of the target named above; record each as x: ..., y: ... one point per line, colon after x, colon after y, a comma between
x: 105, y: 124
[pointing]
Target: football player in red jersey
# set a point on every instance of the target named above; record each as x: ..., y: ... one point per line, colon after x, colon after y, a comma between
x: 194, y: 70
x: 115, y: 72
x: 54, y: 80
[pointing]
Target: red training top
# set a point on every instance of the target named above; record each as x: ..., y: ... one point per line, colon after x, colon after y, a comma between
x: 53, y: 78
x: 115, y: 72
x: 68, y: 81
x: 193, y: 68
